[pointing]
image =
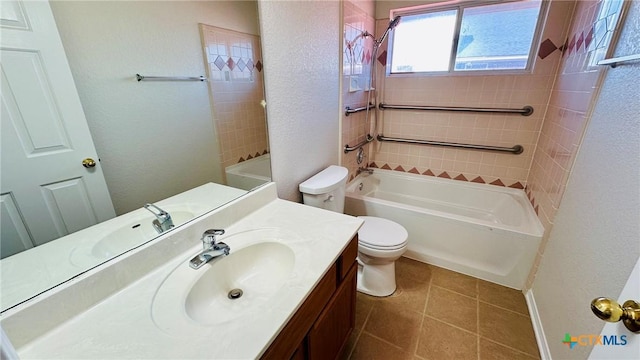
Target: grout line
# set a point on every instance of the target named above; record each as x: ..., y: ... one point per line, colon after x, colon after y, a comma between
x: 457, y: 293
x: 478, y: 323
x: 364, y: 323
x: 383, y: 340
x: 446, y: 323
x: 511, y: 348
x: 424, y: 312
x: 504, y: 308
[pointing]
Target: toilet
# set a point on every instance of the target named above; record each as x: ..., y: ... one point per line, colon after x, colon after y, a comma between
x: 380, y: 241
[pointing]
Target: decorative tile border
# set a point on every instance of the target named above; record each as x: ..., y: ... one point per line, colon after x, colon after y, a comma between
x: 532, y: 200
x: 249, y: 157
x: 446, y: 175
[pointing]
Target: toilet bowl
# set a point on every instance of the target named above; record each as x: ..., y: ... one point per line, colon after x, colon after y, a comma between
x: 380, y: 241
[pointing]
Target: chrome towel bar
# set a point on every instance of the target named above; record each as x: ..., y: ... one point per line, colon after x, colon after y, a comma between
x: 525, y: 111
x: 349, y: 110
x: 170, y: 78
x: 516, y: 149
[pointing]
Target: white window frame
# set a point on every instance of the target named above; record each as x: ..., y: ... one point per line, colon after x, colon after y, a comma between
x: 460, y: 5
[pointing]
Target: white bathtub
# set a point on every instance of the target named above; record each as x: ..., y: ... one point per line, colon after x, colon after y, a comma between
x: 249, y: 174
x: 485, y: 231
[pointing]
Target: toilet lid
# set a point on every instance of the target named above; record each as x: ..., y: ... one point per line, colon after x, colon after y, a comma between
x: 381, y: 233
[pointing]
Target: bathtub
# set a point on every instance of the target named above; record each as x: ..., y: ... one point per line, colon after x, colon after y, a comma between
x: 485, y: 231
x: 249, y: 174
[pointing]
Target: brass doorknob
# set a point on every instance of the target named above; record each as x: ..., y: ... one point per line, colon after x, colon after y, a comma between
x: 88, y: 163
x: 609, y: 310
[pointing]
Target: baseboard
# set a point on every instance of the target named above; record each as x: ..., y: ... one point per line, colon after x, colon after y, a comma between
x: 541, y: 339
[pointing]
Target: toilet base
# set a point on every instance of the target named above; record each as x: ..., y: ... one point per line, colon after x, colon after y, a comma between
x: 377, y: 280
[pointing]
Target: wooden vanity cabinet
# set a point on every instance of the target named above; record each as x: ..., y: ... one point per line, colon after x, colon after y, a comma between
x: 322, y: 325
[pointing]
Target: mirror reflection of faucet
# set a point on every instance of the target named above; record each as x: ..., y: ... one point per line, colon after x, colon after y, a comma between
x: 163, y: 221
x: 211, y: 248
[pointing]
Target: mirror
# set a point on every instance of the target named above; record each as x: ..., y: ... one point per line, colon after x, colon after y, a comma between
x: 158, y: 141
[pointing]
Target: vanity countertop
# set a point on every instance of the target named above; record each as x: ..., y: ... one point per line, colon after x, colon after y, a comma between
x: 31, y: 272
x: 123, y: 325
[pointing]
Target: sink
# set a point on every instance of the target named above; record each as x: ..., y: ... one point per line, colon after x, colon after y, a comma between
x: 261, y: 271
x: 246, y: 278
x: 133, y: 234
x: 121, y: 239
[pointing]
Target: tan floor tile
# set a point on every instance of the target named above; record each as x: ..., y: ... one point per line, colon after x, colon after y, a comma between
x: 508, y: 328
x: 394, y: 324
x: 351, y: 344
x: 492, y: 351
x: 453, y: 308
x: 412, y: 269
x: 364, y: 304
x: 371, y: 348
x: 454, y: 281
x: 408, y: 295
x: 442, y: 341
x: 502, y: 296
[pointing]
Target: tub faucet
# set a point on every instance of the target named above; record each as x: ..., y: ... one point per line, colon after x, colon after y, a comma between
x: 163, y: 221
x: 211, y: 249
x: 365, y: 170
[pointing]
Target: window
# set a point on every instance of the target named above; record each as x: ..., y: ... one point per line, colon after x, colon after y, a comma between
x: 466, y: 37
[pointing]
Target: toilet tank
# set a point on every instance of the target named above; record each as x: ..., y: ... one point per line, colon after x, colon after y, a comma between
x: 326, y: 189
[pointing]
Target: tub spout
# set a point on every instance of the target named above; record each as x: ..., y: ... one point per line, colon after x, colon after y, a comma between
x: 364, y: 170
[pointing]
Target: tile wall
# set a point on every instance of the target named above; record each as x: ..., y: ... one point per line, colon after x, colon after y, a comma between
x: 561, y: 88
x: 512, y: 91
x: 572, y: 97
x: 235, y: 73
x: 357, y: 60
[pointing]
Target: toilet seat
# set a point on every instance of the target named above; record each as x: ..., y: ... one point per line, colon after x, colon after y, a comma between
x: 381, y: 234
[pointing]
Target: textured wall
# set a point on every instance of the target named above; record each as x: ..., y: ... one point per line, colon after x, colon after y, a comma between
x: 593, y: 245
x: 154, y: 139
x: 572, y: 99
x: 301, y: 44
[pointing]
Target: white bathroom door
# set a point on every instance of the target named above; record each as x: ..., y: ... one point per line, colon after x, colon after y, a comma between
x: 46, y: 191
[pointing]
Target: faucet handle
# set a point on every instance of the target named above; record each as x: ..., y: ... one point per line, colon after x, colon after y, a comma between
x: 209, y: 236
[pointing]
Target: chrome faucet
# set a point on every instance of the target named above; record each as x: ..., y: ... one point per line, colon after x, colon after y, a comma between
x: 211, y: 248
x: 365, y: 170
x: 163, y: 220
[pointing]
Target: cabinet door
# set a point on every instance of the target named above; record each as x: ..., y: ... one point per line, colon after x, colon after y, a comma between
x: 332, y: 329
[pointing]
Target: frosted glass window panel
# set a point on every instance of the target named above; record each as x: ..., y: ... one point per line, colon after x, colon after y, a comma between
x: 422, y: 43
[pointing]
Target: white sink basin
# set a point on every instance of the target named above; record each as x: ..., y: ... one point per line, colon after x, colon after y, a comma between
x: 259, y: 271
x: 121, y: 239
x: 263, y: 264
x: 133, y: 234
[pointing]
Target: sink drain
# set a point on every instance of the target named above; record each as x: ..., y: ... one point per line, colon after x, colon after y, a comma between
x: 235, y: 294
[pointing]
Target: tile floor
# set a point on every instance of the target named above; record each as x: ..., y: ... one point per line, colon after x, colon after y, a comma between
x: 440, y: 314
